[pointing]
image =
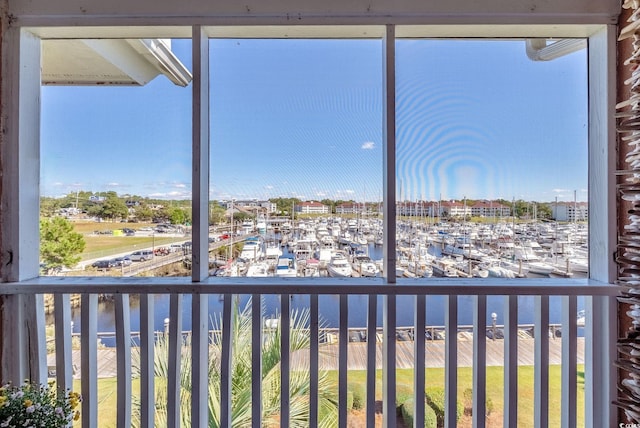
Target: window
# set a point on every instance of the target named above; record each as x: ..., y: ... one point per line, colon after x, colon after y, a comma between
x: 491, y: 158
x: 483, y: 156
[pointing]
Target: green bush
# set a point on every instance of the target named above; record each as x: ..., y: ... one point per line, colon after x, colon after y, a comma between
x: 359, y: 395
x: 436, y: 400
x: 403, y: 393
x: 349, y: 400
x: 467, y: 396
x: 430, y: 418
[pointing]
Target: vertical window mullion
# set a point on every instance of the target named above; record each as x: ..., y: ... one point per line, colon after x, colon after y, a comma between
x: 200, y: 155
x: 389, y: 244
x: 200, y: 235
x: 389, y: 153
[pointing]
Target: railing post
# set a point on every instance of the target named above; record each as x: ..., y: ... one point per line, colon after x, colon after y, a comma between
x: 123, y: 356
x: 371, y: 358
x: 569, y: 364
x: 419, y: 359
x: 451, y: 361
x: 147, y: 366
x: 479, y: 361
x: 174, y: 386
x: 343, y: 344
x: 89, y: 359
x: 313, y: 360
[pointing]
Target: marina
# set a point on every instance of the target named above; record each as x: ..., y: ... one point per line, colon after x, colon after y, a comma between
x: 347, y: 247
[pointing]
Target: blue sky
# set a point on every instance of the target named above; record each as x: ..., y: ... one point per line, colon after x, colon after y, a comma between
x: 302, y: 118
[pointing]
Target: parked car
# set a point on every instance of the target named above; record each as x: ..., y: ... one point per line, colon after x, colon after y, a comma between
x: 104, y: 264
x: 123, y: 261
x: 141, y: 256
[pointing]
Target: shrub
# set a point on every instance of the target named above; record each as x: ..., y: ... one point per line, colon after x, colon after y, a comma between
x: 468, y: 403
x: 36, y: 405
x: 359, y: 395
x: 436, y: 400
x: 403, y: 393
x: 430, y: 418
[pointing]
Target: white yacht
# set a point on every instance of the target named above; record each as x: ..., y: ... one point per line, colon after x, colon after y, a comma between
x: 339, y: 266
x: 363, y: 264
x: 272, y: 254
x: 260, y: 269
x: 252, y: 250
x: 445, y: 268
x: 286, y: 267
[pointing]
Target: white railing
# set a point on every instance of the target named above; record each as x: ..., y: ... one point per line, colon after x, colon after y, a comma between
x: 201, y: 338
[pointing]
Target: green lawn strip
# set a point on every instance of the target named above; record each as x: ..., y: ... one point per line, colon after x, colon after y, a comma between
x: 103, y: 246
x: 107, y: 401
x: 107, y: 390
x: 494, y: 381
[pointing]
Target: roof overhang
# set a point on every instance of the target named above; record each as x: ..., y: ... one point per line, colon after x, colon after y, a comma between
x: 110, y: 62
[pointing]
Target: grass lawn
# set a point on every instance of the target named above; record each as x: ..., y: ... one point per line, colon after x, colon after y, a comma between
x: 107, y: 392
x: 495, y: 392
x: 98, y: 246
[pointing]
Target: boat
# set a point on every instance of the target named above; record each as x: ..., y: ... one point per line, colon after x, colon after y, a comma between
x: 286, y: 267
x: 261, y: 225
x: 363, y: 264
x: 272, y: 254
x: 496, y: 271
x: 418, y: 269
x: 462, y: 247
x: 311, y: 268
x: 444, y: 268
x: 252, y: 249
x: 338, y: 266
x: 247, y: 227
x: 260, y: 269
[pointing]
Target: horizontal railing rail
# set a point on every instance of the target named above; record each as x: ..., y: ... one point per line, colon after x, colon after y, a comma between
x: 320, y: 286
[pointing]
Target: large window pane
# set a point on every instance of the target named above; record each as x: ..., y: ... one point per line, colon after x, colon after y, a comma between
x: 116, y: 167
x: 491, y: 160
x: 295, y: 156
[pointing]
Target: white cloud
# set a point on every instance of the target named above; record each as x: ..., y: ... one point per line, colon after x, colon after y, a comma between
x: 113, y: 184
x: 349, y: 192
x: 369, y: 145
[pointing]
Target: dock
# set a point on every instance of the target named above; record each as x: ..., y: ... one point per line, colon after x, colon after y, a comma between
x: 357, y: 355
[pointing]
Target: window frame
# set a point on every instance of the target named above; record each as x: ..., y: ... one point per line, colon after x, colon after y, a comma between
x: 20, y: 155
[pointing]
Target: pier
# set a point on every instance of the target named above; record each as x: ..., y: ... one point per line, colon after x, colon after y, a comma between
x: 357, y: 354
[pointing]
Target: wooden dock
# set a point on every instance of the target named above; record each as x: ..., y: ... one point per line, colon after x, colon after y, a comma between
x: 434, y: 354
x: 357, y: 355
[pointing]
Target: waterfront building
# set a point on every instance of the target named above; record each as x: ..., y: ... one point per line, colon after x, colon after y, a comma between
x: 311, y: 207
x: 570, y: 211
x: 486, y: 208
x: 454, y: 209
x: 250, y: 205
